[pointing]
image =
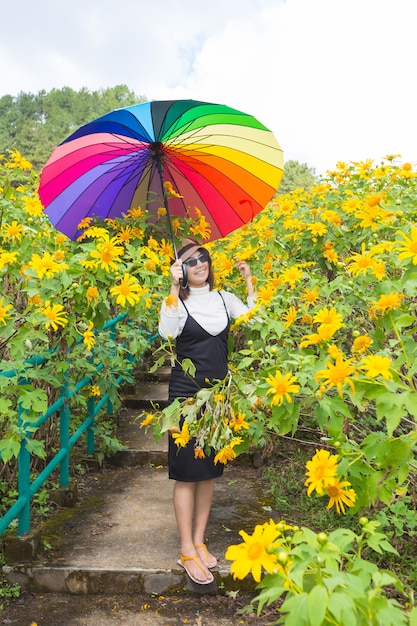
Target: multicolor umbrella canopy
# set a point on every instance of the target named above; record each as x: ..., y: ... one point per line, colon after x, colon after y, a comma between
x: 220, y: 160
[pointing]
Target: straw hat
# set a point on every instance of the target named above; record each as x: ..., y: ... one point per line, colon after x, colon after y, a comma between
x: 188, y: 247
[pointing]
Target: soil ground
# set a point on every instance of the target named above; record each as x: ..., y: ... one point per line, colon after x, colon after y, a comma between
x: 66, y: 610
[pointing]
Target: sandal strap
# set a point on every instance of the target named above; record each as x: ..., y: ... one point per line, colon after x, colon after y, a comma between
x: 192, y: 558
x: 203, y: 546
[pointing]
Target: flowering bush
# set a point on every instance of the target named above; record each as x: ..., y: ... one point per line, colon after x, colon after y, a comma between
x: 57, y: 294
x: 330, y: 346
x: 322, y: 579
x: 329, y: 349
x: 331, y: 343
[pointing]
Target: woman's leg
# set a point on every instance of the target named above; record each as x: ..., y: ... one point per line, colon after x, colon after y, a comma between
x: 185, y: 510
x: 202, y: 504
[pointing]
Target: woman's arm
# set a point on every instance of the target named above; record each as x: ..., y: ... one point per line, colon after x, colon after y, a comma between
x: 245, y: 270
x: 169, y: 318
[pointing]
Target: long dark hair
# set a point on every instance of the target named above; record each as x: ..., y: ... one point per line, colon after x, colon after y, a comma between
x: 185, y: 292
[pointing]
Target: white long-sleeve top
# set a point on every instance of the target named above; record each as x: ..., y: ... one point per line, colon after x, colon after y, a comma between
x: 206, y: 307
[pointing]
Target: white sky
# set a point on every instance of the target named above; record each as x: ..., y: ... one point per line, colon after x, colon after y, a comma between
x: 333, y: 79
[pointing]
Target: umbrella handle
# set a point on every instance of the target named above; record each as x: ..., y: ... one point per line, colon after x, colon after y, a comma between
x: 184, y: 279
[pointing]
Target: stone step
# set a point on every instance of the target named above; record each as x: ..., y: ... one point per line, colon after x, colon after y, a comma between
x: 145, y: 395
x: 123, y: 537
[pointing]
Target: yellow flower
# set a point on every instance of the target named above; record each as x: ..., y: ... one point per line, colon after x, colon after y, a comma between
x: 334, y: 352
x: 336, y: 374
x: 170, y: 191
x: 331, y: 255
x: 16, y: 161
x: 255, y: 554
x: 227, y: 453
x: 386, y: 303
x: 182, y: 438
x: 199, y: 453
x: 376, y: 365
x: 58, y: 255
x: 339, y: 496
x: 361, y: 263
x: 88, y: 337
x: 166, y: 250
x: 310, y: 296
x: 171, y: 302
x: 94, y: 391
x: 4, y: 311
x: 290, y: 316
x: 107, y: 253
x: 317, y: 229
x: 34, y: 207
x: 238, y: 422
x: 7, y: 257
x: 328, y: 318
x: 361, y: 344
x: 320, y: 471
x: 92, y: 294
x: 36, y: 299
x: 46, y: 265
x: 94, y: 232
x: 13, y: 231
x: 125, y: 234
x: 201, y: 229
x: 135, y: 212
x: 55, y: 315
x: 291, y: 276
x: 265, y: 294
x: 324, y: 334
x: 147, y: 420
x: 128, y: 289
x: 281, y: 387
x: 85, y: 222
x: 60, y: 239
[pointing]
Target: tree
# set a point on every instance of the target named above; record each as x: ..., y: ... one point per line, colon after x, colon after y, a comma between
x: 297, y: 175
x: 35, y: 124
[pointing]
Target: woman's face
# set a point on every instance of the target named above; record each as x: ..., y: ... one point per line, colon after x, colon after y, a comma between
x: 197, y: 268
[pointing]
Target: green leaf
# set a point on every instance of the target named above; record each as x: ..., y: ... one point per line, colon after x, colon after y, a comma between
x: 296, y: 608
x: 413, y: 617
x: 379, y: 543
x: 342, y: 607
x: 245, y: 363
x: 391, y: 616
x: 5, y: 405
x: 34, y: 399
x: 317, y: 605
x: 9, y: 448
x: 390, y: 406
x: 36, y: 447
x: 188, y: 367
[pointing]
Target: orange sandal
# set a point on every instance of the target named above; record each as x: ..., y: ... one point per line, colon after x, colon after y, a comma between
x: 204, y: 547
x: 194, y: 558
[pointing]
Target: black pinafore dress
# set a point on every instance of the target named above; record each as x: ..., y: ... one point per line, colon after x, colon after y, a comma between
x: 209, y: 355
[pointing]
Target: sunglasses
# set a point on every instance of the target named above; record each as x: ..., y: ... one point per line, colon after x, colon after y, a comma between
x: 203, y: 258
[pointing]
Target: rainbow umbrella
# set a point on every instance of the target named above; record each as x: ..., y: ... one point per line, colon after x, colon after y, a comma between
x: 220, y: 160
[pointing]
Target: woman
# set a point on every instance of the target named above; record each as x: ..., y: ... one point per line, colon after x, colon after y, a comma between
x: 199, y: 320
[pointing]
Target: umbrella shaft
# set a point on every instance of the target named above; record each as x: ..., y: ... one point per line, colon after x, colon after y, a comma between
x: 171, y: 230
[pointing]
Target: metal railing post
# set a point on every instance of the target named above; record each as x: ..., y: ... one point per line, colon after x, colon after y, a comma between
x: 113, y: 337
x: 23, y: 474
x: 90, y: 429
x: 64, y: 437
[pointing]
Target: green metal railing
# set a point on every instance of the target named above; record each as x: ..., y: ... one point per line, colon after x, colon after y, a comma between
x: 27, y: 489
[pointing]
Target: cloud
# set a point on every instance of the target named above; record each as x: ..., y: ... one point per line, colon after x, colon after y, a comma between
x: 334, y: 79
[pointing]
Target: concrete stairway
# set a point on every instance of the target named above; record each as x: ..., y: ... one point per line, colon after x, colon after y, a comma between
x: 121, y: 537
